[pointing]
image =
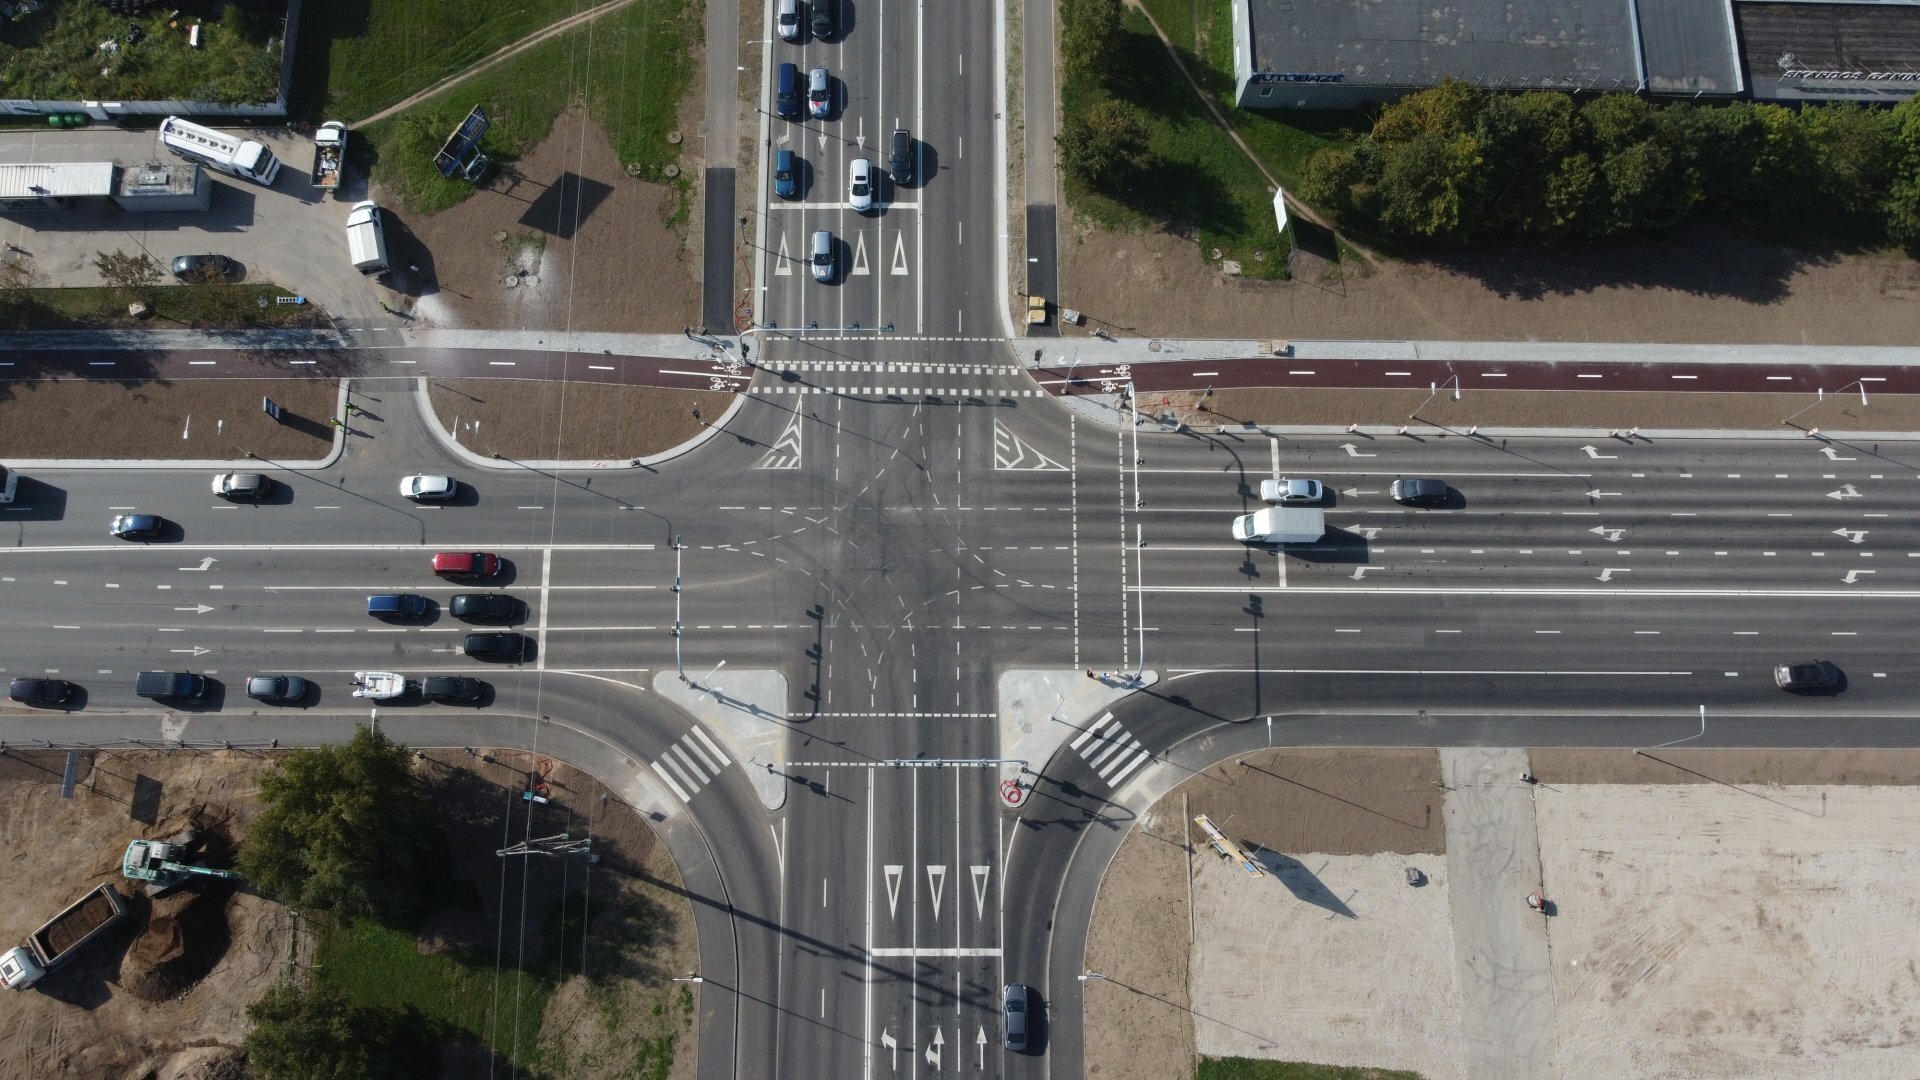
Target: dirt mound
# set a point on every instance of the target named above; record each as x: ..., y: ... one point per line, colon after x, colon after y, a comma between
x: 187, y: 934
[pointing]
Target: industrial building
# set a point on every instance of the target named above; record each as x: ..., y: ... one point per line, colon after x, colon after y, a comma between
x: 1340, y: 54
x: 145, y: 186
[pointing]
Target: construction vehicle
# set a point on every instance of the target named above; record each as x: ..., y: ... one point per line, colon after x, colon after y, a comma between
x: 60, y: 937
x: 329, y: 154
x: 158, y: 864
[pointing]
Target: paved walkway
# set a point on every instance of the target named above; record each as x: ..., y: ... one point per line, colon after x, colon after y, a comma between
x: 1500, y: 945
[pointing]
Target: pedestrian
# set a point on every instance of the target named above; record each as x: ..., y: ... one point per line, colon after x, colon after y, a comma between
x: 1089, y: 673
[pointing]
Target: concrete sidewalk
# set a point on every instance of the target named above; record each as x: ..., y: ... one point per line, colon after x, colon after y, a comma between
x: 1104, y: 352
x: 679, y: 346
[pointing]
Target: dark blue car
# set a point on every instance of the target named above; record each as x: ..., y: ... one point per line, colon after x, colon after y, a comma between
x: 786, y: 174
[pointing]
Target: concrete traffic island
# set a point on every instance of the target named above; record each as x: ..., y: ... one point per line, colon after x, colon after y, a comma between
x: 746, y: 710
x: 1042, y: 710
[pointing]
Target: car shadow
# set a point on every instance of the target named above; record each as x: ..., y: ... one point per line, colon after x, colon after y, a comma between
x: 426, y: 618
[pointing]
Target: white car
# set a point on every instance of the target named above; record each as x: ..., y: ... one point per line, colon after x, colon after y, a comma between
x: 789, y: 20
x: 860, y: 184
x: 424, y: 488
x: 1290, y: 491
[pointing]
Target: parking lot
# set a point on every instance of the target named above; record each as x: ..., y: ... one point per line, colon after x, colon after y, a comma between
x: 290, y: 234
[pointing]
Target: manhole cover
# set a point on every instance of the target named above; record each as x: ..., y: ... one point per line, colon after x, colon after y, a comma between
x: 673, y: 137
x: 670, y: 170
x: 500, y: 237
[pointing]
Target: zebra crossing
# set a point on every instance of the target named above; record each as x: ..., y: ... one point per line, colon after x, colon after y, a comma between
x: 691, y: 763
x: 1110, y: 750
x: 896, y: 366
x: 897, y: 391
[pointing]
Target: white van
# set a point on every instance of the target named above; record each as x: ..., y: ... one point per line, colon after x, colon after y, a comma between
x: 367, y: 238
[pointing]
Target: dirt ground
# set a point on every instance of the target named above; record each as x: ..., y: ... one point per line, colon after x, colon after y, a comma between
x: 550, y: 421
x: 1706, y: 285
x: 1506, y: 409
x: 1790, y: 865
x: 583, y: 244
x: 165, y: 993
x: 206, y: 419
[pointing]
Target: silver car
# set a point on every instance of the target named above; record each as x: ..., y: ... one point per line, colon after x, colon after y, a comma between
x: 823, y: 256
x: 241, y: 485
x: 789, y: 20
x: 819, y: 93
x: 1290, y: 491
x: 425, y: 488
x: 1013, y: 1012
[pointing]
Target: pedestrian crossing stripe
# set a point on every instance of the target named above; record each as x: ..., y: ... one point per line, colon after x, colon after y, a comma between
x: 896, y: 366
x: 691, y: 763
x: 1110, y: 750
x: 869, y: 391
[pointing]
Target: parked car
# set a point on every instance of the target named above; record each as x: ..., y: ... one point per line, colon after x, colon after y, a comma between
x: 467, y: 564
x: 139, y: 526
x: 501, y: 646
x: 278, y: 689
x: 396, y: 605
x: 823, y: 256
x: 242, y: 485
x: 1013, y: 1014
x: 821, y: 20
x: 786, y: 174
x: 1812, y: 675
x: 427, y: 488
x: 1290, y: 491
x: 819, y: 93
x: 32, y: 691
x: 860, y: 185
x: 204, y: 268
x: 452, y: 689
x: 789, y: 20
x: 485, y: 607
x: 1426, y: 492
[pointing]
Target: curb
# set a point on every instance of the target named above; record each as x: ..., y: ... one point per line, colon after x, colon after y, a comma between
x: 253, y: 464
x: 483, y: 461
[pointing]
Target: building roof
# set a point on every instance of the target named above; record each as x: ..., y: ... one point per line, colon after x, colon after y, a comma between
x: 1688, y: 47
x: 1830, y: 51
x: 1562, y: 44
x: 56, y: 180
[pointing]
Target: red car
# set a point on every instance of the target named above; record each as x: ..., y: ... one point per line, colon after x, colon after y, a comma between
x: 467, y: 564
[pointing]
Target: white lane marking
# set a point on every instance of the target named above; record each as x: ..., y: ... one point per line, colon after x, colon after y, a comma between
x: 936, y: 950
x: 540, y: 634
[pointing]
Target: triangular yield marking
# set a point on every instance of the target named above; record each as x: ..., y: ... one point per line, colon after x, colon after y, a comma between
x: 860, y: 255
x: 893, y: 889
x: 936, y: 877
x: 782, y: 263
x: 980, y: 890
x: 899, y: 255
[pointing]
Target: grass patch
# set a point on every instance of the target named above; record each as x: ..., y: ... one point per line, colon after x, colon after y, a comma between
x: 629, y: 69
x: 380, y: 967
x: 357, y: 58
x: 102, y: 307
x: 56, y: 54
x: 1251, y: 1069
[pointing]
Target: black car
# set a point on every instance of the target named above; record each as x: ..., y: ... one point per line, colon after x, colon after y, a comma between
x: 505, y: 646
x: 1419, y: 492
x: 1013, y: 1016
x: 1812, y: 675
x: 277, y: 689
x: 452, y: 689
x: 139, y: 526
x: 204, y: 268
x: 41, y: 691
x: 821, y: 21
x: 485, y: 607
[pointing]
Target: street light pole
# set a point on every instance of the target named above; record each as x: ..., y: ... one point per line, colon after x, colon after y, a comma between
x: 1090, y: 976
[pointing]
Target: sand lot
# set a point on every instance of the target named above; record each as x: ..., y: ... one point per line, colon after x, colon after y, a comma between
x: 1724, y: 926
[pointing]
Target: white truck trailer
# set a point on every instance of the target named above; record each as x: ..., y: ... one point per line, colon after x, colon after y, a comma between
x: 218, y: 150
x: 60, y: 937
x: 1281, y: 525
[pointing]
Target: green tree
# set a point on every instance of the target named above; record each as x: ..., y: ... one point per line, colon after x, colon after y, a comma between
x: 347, y: 831
x: 1101, y: 144
x: 134, y: 275
x: 1647, y: 184
x: 308, y: 1035
x: 1432, y: 186
x: 1447, y: 110
x: 1092, y: 35
x: 1851, y: 146
x: 1902, y: 202
x: 1334, y: 182
x: 1525, y: 139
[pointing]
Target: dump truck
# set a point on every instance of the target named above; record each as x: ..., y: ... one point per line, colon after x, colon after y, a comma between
x: 60, y: 937
x: 1281, y: 525
x: 329, y: 154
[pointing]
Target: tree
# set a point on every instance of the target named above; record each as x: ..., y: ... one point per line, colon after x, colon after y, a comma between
x: 1333, y: 182
x: 1446, y: 111
x: 1092, y: 34
x: 317, y: 1034
x: 1432, y: 186
x: 1902, y: 202
x: 1525, y: 140
x: 134, y: 275
x: 345, y: 831
x: 1103, y: 143
x: 1851, y: 146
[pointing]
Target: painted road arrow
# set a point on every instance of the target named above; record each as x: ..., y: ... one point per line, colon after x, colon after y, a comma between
x: 1611, y: 536
x: 1852, y: 578
x: 1354, y: 451
x: 1597, y: 493
x: 1846, y: 492
x: 1834, y: 455
x: 1853, y: 536
x: 980, y: 1041
x: 934, y: 1051
x: 1594, y: 452
x: 1607, y: 574
x: 205, y: 563
x: 198, y: 651
x: 202, y: 609
x: 886, y: 1040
